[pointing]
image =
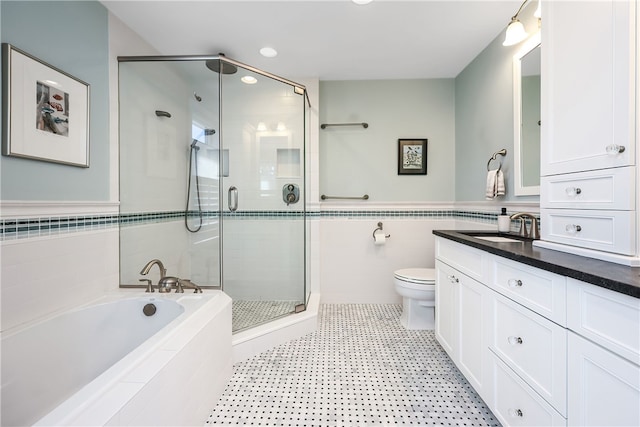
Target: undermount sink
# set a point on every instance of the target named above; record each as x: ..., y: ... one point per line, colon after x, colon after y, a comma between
x: 498, y: 239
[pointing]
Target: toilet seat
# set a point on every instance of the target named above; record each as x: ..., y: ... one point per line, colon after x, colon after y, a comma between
x: 418, y: 276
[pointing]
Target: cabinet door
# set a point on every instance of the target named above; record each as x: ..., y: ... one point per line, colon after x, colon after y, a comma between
x: 446, y: 308
x: 588, y: 64
x: 472, y: 330
x: 604, y: 389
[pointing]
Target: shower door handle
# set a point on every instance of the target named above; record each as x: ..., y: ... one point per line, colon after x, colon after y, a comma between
x: 233, y: 199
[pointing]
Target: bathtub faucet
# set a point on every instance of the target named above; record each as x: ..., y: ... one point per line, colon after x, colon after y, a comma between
x: 145, y: 271
x: 167, y: 283
x: 186, y: 283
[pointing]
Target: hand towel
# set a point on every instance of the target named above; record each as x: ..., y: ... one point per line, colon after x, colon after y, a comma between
x: 495, y: 184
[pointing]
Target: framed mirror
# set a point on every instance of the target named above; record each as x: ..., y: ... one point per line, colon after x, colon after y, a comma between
x: 526, y: 117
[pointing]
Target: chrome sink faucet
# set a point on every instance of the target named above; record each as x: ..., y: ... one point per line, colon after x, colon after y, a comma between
x: 534, y: 231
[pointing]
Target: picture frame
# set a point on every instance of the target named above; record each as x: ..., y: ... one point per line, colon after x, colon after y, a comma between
x: 45, y: 111
x: 412, y: 156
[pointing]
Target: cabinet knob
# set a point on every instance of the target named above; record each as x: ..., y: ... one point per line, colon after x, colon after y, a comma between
x: 573, y: 191
x: 515, y: 412
x: 514, y: 283
x: 514, y: 340
x: 613, y: 149
x: 453, y: 279
x: 572, y: 228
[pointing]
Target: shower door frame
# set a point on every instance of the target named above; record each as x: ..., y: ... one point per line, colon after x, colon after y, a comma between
x: 298, y: 89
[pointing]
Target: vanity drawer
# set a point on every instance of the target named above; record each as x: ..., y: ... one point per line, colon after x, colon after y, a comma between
x: 609, y: 231
x: 534, y: 347
x: 609, y: 189
x: 608, y: 318
x: 539, y: 290
x: 514, y: 403
x: 468, y: 260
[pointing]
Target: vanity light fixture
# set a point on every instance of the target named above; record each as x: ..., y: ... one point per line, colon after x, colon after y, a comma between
x: 250, y: 80
x: 515, y: 30
x: 538, y: 12
x: 269, y: 52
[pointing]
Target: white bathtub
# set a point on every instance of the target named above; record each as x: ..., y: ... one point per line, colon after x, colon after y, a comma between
x: 110, y: 364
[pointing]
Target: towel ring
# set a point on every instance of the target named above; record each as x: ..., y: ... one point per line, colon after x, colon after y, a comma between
x: 502, y: 152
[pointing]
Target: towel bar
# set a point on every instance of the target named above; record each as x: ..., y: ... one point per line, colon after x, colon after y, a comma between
x: 365, y: 197
x: 502, y: 152
x: 325, y: 125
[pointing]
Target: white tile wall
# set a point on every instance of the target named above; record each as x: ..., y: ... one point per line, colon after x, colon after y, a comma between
x: 354, y: 270
x: 44, y: 275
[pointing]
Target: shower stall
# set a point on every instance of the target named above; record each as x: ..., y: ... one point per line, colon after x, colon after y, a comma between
x: 212, y: 180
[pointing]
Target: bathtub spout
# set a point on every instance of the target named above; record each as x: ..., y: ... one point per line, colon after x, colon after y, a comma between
x: 146, y: 268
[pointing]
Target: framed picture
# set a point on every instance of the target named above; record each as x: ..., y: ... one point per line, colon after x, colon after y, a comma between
x: 45, y: 111
x: 412, y: 157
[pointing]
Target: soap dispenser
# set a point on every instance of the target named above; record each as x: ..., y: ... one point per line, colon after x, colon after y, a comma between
x: 504, y: 221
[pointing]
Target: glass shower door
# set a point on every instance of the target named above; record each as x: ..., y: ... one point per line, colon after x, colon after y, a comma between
x: 262, y: 136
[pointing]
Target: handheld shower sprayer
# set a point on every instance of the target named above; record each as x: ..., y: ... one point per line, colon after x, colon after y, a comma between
x: 193, y: 162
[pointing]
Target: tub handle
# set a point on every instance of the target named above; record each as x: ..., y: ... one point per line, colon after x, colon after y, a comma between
x: 149, y: 285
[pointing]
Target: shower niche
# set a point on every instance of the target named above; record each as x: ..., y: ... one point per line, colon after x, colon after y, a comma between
x: 201, y: 190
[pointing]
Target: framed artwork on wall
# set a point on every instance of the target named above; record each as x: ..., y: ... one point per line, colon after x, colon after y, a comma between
x: 412, y: 157
x: 45, y: 111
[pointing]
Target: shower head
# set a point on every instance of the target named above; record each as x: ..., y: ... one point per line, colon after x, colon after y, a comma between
x: 209, y: 132
x: 221, y: 67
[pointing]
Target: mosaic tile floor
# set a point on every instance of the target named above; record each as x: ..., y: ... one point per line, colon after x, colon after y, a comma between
x: 360, y: 368
x: 246, y: 314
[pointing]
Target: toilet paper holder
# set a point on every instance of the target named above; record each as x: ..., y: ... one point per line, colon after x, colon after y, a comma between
x: 380, y: 229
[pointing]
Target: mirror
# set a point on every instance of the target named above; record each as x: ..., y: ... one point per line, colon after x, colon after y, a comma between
x: 526, y: 115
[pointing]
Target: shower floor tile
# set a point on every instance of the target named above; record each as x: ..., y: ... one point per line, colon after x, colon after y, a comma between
x: 246, y: 314
x: 360, y: 368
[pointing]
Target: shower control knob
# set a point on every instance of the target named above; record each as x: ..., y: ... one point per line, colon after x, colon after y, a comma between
x: 290, y: 193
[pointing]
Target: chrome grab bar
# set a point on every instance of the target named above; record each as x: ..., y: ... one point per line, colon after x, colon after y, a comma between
x: 233, y: 206
x: 365, y: 197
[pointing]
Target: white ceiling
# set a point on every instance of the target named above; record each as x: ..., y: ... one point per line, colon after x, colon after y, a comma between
x: 325, y: 39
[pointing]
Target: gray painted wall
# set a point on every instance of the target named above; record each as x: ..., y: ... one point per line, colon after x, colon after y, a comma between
x: 355, y: 161
x: 72, y: 36
x: 484, y: 118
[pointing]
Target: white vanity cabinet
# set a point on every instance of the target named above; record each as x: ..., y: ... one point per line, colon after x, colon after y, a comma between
x: 588, y: 136
x: 461, y: 322
x: 539, y: 348
x: 588, y: 93
x: 603, y: 356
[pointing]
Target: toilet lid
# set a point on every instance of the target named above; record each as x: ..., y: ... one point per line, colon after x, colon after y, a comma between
x: 416, y: 275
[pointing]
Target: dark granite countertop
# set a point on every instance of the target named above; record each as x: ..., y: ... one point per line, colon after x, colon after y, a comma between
x: 617, y: 277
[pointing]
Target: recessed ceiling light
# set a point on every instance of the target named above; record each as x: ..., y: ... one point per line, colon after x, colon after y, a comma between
x: 361, y: 1
x: 269, y: 52
x: 250, y: 80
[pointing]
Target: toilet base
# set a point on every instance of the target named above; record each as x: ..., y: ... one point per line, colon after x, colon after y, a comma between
x: 417, y: 315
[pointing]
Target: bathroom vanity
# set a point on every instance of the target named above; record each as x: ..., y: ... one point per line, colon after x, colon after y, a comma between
x: 545, y: 337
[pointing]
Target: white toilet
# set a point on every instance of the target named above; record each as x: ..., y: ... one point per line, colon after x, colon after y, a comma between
x: 417, y: 288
